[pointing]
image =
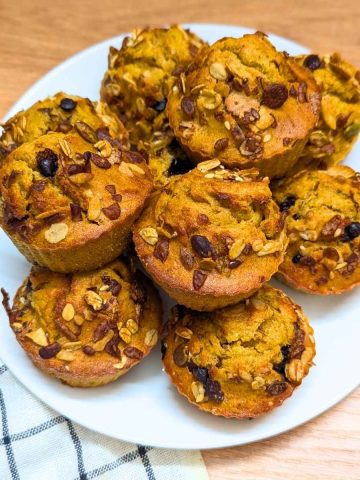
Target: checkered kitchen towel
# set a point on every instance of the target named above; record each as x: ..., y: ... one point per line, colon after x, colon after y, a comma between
x: 38, y: 444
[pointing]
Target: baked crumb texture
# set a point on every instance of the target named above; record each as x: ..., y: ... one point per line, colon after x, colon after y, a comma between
x: 212, y: 236
x: 241, y: 361
x: 86, y: 329
x: 246, y: 104
x: 323, y: 227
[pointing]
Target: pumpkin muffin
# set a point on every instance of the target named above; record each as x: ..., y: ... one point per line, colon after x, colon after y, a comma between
x: 86, y: 329
x: 246, y: 104
x: 323, y: 226
x: 69, y: 204
x: 60, y: 113
x: 241, y: 361
x: 211, y: 237
x: 168, y: 162
x: 339, y: 123
x: 139, y: 77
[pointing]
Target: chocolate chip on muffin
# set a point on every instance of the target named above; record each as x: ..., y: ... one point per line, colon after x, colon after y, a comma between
x: 86, y: 329
x: 240, y: 361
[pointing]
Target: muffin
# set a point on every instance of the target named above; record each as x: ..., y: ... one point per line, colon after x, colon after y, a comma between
x: 323, y: 226
x: 168, y: 162
x: 246, y: 104
x: 69, y: 204
x: 339, y: 123
x: 211, y: 237
x: 241, y: 361
x: 139, y: 77
x: 86, y: 329
x: 60, y: 113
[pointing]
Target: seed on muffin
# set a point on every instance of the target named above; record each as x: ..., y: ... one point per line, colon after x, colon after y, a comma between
x: 240, y: 106
x: 195, y: 228
x: 243, y: 360
x: 323, y: 225
x: 91, y: 352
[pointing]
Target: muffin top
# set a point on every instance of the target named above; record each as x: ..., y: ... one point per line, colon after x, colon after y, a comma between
x: 59, y: 113
x: 213, y: 231
x: 339, y: 124
x: 246, y: 103
x: 139, y: 77
x: 240, y: 361
x: 87, y: 324
x: 323, y: 226
x: 60, y: 190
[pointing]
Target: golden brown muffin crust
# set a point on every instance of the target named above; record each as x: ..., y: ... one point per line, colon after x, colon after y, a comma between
x: 59, y: 113
x: 86, y: 329
x: 241, y: 361
x: 245, y: 103
x: 323, y: 226
x: 212, y: 236
x: 339, y: 122
x: 139, y: 77
x: 67, y: 203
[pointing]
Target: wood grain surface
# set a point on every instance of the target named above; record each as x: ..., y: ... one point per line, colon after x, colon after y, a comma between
x: 35, y: 35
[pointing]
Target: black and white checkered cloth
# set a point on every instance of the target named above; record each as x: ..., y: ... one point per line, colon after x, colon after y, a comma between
x: 38, y: 444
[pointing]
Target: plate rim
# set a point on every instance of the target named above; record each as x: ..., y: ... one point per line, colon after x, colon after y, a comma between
x: 330, y: 401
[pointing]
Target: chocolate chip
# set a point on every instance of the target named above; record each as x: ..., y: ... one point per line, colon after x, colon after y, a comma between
x: 201, y: 245
x: 99, y: 161
x: 312, y: 62
x: 234, y: 264
x: 275, y: 95
x: 280, y: 367
x: 133, y: 352
x: 180, y: 166
x: 186, y: 258
x: 117, y: 197
x: 199, y: 373
x: 160, y: 106
x: 221, y: 144
x: 199, y: 278
x: 49, y: 351
x: 188, y: 106
x: 47, y: 162
x: 114, y: 285
x: 112, y: 212
x: 161, y: 250
x: 297, y: 258
x: 75, y: 211
x: 88, y: 350
x: 287, y: 203
x: 351, y: 231
x: 213, y: 391
x: 276, y: 388
x: 68, y: 104
x: 179, y: 356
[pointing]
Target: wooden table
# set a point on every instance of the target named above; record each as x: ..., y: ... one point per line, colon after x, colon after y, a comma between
x: 36, y: 35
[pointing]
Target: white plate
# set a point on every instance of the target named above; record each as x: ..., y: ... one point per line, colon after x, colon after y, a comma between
x: 143, y: 407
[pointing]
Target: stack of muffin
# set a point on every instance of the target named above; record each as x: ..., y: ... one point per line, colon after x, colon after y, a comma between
x: 219, y: 162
